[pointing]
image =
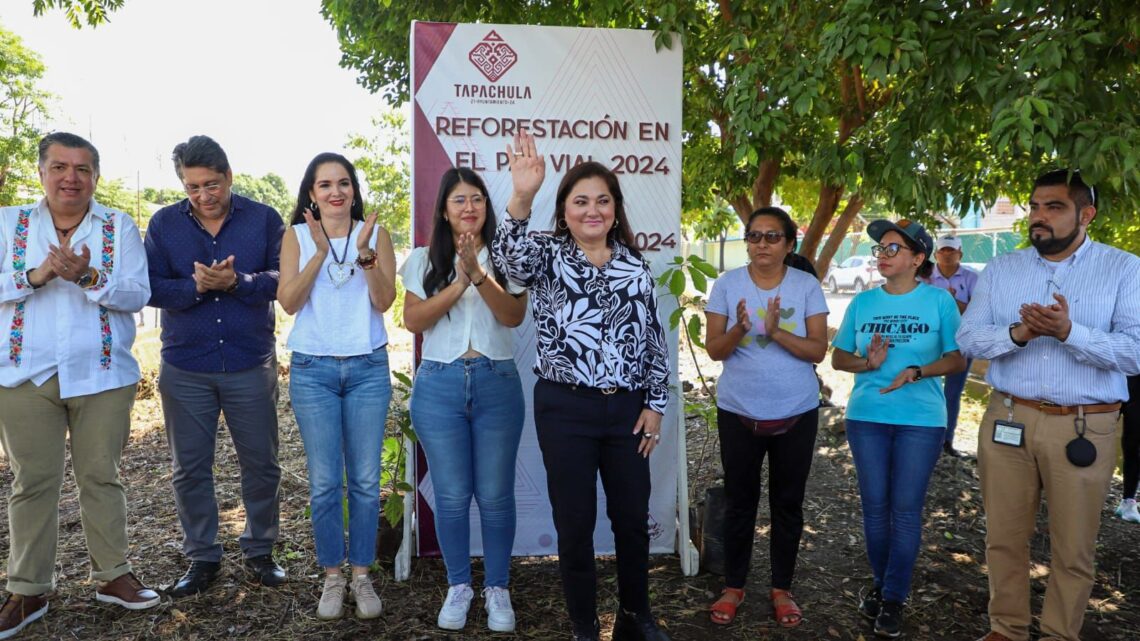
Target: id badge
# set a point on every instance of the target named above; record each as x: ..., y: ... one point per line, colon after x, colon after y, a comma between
x: 1009, y: 433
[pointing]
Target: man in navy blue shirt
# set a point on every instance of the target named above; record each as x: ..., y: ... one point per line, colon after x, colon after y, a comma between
x: 213, y: 272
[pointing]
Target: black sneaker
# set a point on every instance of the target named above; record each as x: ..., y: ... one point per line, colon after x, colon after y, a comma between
x: 871, y: 604
x: 889, y: 622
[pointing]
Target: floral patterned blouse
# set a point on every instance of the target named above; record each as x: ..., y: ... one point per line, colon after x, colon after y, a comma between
x: 595, y: 326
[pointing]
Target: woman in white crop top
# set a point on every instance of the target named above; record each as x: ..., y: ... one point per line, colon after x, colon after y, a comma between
x: 338, y: 276
x: 467, y: 402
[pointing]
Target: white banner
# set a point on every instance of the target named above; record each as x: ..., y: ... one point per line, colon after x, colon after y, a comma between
x: 603, y: 94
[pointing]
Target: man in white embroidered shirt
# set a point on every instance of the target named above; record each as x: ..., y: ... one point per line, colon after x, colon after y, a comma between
x: 72, y: 274
x: 1060, y: 323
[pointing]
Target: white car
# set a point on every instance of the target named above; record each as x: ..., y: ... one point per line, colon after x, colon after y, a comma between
x: 857, y: 273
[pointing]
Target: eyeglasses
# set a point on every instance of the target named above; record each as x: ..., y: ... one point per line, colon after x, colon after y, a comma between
x: 212, y: 188
x: 461, y: 201
x: 889, y: 250
x: 770, y: 237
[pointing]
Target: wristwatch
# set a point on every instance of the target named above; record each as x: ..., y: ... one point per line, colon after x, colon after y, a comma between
x: 88, y: 278
x: 1015, y: 341
x: 917, y: 372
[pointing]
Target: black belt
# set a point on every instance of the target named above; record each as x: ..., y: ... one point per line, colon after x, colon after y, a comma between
x: 592, y: 391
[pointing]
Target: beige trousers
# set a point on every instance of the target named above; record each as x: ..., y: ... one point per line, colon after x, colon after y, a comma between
x: 34, y: 426
x: 1012, y: 481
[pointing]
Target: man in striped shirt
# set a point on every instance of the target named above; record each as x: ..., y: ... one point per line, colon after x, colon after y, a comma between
x: 1060, y: 324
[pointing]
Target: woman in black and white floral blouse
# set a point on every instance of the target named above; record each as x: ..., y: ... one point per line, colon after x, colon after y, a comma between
x: 603, y: 373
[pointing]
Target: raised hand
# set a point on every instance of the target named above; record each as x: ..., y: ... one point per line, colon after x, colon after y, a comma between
x: 742, y: 317
x: 528, y: 167
x: 877, y: 351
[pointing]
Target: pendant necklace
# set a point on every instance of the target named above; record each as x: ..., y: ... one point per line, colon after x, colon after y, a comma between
x: 339, y: 272
x: 66, y: 230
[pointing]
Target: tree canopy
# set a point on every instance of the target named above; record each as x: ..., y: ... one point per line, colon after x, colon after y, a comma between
x: 22, y: 106
x: 269, y: 189
x: 80, y: 12
x: 925, y: 105
x: 382, y: 156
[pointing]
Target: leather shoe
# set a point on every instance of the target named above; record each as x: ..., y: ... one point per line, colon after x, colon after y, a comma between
x: 20, y: 610
x: 128, y: 592
x: 266, y: 570
x: 198, y: 577
x: 637, y: 627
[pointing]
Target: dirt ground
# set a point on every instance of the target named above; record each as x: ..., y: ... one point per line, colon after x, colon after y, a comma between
x: 948, y: 602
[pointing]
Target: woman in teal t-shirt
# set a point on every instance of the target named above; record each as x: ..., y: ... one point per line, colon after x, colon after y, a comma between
x: 898, y: 340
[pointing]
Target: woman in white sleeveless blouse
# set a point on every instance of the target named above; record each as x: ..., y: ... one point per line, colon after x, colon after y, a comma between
x: 338, y: 277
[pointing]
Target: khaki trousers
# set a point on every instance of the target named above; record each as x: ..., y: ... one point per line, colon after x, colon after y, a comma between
x: 1012, y: 481
x: 34, y: 426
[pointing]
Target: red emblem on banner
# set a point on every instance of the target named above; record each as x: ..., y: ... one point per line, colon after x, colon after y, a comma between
x: 493, y: 57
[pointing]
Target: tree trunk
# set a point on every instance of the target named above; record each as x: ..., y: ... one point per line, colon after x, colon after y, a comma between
x: 762, y: 188
x: 838, y: 233
x: 723, y: 237
x: 824, y: 211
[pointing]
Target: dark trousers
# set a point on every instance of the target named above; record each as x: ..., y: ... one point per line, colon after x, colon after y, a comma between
x: 191, y: 403
x: 789, y: 462
x: 1130, y: 441
x: 583, y: 433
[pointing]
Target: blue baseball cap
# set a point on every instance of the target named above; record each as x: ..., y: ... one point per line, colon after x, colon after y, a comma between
x: 914, y: 232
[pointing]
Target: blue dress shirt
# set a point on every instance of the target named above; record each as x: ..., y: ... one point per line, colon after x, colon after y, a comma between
x: 215, y: 331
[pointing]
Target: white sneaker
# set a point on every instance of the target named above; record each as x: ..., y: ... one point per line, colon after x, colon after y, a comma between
x: 453, y: 614
x: 500, y: 614
x: 368, y: 605
x: 1128, y: 511
x: 332, y: 598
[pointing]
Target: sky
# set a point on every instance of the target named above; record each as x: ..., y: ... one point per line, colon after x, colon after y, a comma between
x: 261, y: 77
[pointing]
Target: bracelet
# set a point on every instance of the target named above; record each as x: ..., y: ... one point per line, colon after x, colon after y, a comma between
x: 234, y: 285
x: 367, y: 263
x: 480, y: 280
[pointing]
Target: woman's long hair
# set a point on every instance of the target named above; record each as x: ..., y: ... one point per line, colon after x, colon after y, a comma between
x: 441, y: 247
x: 620, y: 232
x: 305, y: 201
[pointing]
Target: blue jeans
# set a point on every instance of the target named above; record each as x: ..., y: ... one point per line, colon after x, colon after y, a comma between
x: 893, y: 463
x: 468, y: 415
x: 954, y: 385
x: 341, y: 406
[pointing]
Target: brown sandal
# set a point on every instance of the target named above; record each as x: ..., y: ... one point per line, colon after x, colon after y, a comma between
x: 724, y: 610
x: 787, y: 613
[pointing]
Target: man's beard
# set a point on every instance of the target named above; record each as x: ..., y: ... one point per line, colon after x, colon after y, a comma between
x: 1052, y: 245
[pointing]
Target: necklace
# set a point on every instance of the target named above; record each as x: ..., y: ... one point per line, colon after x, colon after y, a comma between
x: 338, y: 271
x: 67, y: 230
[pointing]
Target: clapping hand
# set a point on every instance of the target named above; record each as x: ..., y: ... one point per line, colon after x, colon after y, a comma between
x: 66, y: 263
x: 742, y: 317
x: 215, y: 276
x: 1048, y: 320
x: 772, y: 320
x: 318, y: 234
x: 469, y: 257
x: 904, y: 377
x: 877, y: 351
x: 364, y: 238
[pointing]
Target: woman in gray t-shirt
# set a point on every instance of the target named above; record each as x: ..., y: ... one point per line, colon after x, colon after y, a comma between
x: 768, y: 323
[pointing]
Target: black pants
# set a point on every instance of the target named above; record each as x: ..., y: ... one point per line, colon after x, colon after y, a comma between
x: 1130, y: 442
x: 789, y: 461
x: 583, y: 432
